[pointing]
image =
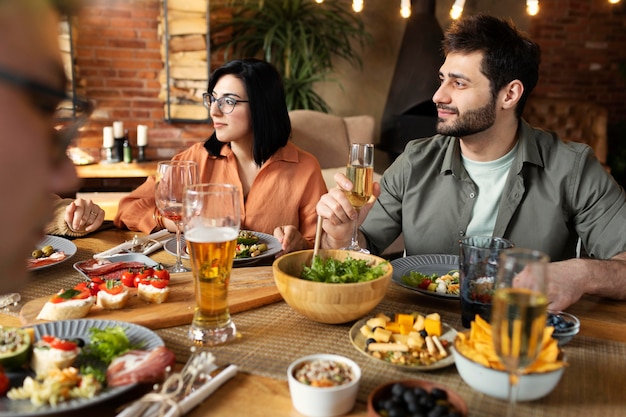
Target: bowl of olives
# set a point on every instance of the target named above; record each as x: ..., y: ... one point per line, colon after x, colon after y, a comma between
x: 415, y: 396
x: 566, y: 326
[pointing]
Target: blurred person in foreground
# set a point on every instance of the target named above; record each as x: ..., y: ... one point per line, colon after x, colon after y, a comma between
x: 487, y: 172
x: 33, y: 162
x: 74, y: 217
x: 279, y: 183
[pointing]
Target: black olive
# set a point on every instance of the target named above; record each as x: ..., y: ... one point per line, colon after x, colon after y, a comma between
x: 369, y: 341
x: 423, y: 333
x: 439, y: 394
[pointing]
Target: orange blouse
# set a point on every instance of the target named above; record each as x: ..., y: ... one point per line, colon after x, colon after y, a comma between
x: 284, y: 192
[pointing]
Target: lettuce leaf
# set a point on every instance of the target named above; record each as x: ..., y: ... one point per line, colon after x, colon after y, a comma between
x: 334, y: 271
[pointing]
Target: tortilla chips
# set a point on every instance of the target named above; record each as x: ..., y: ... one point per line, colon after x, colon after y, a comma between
x: 477, y: 346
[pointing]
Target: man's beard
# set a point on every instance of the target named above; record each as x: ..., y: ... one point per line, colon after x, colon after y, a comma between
x: 469, y: 122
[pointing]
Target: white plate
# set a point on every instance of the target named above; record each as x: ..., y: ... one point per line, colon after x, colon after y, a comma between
x: 77, y: 329
x: 59, y: 244
x: 122, y: 257
x: 273, y: 247
x: 427, y: 265
x: 448, y: 333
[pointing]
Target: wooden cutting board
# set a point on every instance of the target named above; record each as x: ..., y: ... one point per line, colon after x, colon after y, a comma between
x: 249, y: 288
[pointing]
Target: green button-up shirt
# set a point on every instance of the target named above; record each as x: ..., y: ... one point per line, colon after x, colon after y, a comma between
x: 555, y: 193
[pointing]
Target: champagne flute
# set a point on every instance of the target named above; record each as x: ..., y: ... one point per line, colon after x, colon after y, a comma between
x: 171, y: 179
x: 212, y: 221
x: 518, y: 315
x: 360, y: 171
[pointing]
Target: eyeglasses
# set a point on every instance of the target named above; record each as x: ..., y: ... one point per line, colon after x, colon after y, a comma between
x: 225, y: 104
x: 47, y: 99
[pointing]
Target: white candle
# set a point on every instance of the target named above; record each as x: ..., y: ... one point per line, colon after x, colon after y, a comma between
x: 142, y: 135
x: 107, y: 137
x: 118, y: 129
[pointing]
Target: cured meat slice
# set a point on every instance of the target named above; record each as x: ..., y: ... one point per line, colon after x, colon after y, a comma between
x: 108, y: 270
x: 56, y: 257
x: 140, y: 367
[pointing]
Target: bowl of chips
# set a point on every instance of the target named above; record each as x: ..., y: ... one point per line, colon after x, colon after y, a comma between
x: 480, y: 368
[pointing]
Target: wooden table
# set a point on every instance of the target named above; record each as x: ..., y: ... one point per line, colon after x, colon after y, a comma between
x: 274, y: 335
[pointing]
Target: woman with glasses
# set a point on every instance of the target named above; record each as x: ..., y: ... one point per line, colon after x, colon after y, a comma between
x: 279, y: 183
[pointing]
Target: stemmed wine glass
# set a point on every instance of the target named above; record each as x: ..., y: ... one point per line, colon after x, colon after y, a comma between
x: 171, y: 179
x: 518, y: 315
x: 360, y: 171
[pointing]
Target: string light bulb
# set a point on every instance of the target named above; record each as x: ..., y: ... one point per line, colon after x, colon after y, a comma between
x: 457, y: 9
x: 405, y: 8
x: 532, y: 7
x: 319, y: 1
x: 357, y: 5
x: 613, y: 1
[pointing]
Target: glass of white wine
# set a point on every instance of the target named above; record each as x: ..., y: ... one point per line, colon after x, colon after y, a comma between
x: 360, y: 171
x: 518, y: 313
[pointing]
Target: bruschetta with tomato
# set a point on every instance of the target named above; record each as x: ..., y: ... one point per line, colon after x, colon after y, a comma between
x: 68, y: 304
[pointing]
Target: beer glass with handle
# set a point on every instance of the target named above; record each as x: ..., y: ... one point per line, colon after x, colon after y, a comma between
x: 360, y: 171
x: 171, y: 179
x: 518, y: 315
x: 212, y: 221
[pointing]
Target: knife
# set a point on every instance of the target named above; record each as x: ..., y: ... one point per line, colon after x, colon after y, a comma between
x: 157, y: 236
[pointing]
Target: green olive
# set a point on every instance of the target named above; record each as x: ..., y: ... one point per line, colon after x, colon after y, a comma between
x: 47, y: 250
x: 37, y: 253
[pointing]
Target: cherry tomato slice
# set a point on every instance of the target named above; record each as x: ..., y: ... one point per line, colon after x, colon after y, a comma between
x: 161, y: 272
x: 128, y: 278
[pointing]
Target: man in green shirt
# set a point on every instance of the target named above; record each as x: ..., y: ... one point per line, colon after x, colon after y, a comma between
x: 487, y: 172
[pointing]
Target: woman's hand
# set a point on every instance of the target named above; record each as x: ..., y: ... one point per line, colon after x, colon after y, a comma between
x: 83, y: 215
x: 290, y: 238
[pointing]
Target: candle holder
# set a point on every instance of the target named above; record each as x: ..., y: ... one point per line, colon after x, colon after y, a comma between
x: 109, y: 156
x: 141, y: 153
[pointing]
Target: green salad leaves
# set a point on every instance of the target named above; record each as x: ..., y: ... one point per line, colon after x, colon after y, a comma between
x: 340, y: 272
x: 107, y: 344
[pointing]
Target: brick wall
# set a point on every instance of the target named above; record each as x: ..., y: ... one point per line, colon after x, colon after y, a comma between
x: 119, y: 62
x: 583, y: 43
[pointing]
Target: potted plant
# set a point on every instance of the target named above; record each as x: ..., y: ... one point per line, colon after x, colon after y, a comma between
x: 301, y: 38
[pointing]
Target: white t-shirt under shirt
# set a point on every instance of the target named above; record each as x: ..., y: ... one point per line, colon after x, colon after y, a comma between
x: 490, y: 178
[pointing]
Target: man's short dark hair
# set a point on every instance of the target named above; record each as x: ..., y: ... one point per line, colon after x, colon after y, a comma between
x: 508, y: 53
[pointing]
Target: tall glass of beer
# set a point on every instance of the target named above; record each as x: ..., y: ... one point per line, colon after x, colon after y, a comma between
x: 212, y: 221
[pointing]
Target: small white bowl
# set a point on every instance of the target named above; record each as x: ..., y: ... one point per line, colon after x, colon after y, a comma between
x: 323, y: 401
x: 495, y: 383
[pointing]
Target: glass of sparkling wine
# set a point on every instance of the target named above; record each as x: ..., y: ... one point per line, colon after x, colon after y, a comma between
x: 360, y: 171
x: 171, y: 179
x: 518, y: 315
x: 212, y: 221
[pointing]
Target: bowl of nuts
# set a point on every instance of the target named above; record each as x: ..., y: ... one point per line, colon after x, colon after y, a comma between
x: 323, y: 385
x: 566, y: 326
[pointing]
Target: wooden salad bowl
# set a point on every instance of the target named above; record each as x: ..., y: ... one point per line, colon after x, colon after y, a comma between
x: 330, y: 303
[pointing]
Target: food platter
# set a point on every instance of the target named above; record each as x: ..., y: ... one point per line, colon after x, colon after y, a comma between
x: 273, y: 247
x: 75, y: 329
x: 448, y: 333
x: 59, y: 244
x: 427, y: 265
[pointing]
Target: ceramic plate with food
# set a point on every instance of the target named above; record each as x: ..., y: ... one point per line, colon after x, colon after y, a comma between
x: 75, y: 329
x: 437, y: 353
x: 51, y: 250
x: 273, y: 247
x: 425, y: 265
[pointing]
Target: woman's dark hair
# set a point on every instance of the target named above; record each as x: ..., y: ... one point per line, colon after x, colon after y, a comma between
x: 508, y: 54
x: 271, y: 125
